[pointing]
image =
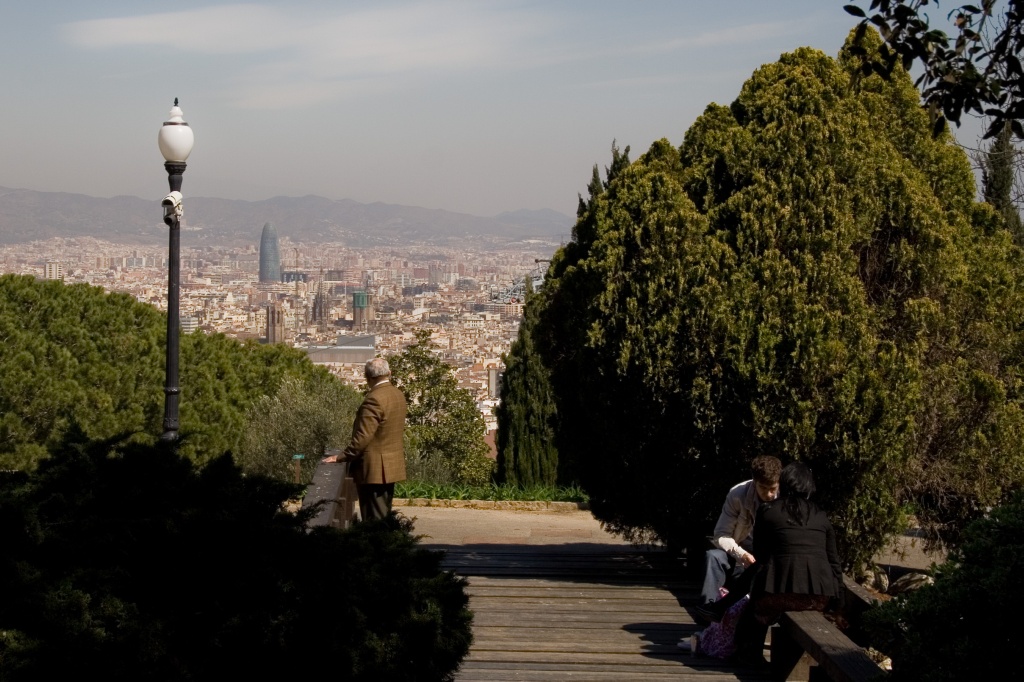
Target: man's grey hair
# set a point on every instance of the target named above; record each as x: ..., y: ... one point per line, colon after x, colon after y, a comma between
x: 378, y: 367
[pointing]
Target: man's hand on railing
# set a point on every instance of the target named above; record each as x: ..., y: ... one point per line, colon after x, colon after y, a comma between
x: 334, y: 456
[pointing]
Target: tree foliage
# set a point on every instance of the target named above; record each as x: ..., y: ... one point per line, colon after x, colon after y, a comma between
x: 807, y: 275
x: 126, y: 562
x: 999, y: 175
x: 71, y: 354
x: 527, y: 455
x: 979, y: 71
x: 971, y: 609
x: 306, y: 416
x: 443, y: 426
x: 76, y: 357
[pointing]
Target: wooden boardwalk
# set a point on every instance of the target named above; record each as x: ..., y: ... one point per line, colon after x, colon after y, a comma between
x: 580, y: 611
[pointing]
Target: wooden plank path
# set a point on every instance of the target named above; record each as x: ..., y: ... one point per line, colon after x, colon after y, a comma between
x: 556, y: 608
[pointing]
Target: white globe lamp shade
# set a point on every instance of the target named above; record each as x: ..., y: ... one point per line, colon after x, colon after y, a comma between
x: 175, y: 137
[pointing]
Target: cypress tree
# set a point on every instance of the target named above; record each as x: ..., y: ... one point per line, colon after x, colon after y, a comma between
x: 998, y: 178
x: 807, y: 275
x: 527, y: 455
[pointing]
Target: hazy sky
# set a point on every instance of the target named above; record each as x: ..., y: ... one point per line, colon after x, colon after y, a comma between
x: 478, y: 107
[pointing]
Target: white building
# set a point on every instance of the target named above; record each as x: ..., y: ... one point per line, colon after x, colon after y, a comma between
x: 53, y: 270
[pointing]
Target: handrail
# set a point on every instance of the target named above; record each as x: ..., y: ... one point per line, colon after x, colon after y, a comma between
x: 333, y: 485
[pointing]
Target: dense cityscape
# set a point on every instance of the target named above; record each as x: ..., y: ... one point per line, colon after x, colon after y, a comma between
x: 341, y: 305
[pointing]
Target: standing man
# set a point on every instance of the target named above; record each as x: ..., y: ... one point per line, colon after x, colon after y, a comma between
x: 375, y: 453
x: 733, y: 538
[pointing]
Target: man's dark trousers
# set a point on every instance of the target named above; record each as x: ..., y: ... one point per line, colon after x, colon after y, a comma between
x: 375, y: 500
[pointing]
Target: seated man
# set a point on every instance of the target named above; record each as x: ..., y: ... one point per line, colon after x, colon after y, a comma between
x: 733, y: 538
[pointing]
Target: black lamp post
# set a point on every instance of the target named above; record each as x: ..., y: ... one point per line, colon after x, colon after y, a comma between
x: 175, y: 141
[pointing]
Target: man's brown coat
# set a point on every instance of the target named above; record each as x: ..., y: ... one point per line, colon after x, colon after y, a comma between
x: 377, y: 436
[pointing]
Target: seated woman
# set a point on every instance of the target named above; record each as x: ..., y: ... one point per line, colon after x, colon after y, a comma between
x: 797, y: 563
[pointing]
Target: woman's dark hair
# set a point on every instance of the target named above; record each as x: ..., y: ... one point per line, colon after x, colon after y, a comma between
x: 796, y: 485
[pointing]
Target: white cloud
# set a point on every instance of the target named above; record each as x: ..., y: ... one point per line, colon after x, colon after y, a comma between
x: 307, y: 57
x: 213, y: 30
x: 301, y: 55
x: 410, y: 37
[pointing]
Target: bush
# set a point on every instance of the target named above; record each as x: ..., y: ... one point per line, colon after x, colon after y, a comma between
x: 962, y: 627
x: 126, y: 562
x: 306, y: 416
x: 426, y: 462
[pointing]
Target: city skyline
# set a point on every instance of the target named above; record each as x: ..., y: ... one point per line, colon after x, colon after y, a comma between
x: 476, y: 108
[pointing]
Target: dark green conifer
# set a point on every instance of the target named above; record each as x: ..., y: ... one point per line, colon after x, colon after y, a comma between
x: 1000, y: 168
x: 809, y: 276
x: 527, y: 455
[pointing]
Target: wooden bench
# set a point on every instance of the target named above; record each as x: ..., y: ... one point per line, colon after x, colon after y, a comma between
x: 332, y: 484
x: 807, y: 647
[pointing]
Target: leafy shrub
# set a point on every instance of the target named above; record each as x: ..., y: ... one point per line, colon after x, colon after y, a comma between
x: 305, y: 416
x: 426, y: 462
x: 126, y: 562
x: 963, y: 627
x: 443, y: 426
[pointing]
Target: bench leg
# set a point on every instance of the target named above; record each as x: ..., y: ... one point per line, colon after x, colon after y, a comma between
x: 789, y: 661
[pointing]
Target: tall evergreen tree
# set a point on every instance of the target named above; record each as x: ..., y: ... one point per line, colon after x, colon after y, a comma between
x: 808, y: 275
x: 527, y: 455
x: 999, y: 175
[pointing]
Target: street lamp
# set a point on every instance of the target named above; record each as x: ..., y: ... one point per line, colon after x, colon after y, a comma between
x: 175, y: 141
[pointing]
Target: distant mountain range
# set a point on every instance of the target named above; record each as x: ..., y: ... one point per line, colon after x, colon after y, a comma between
x: 27, y: 215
